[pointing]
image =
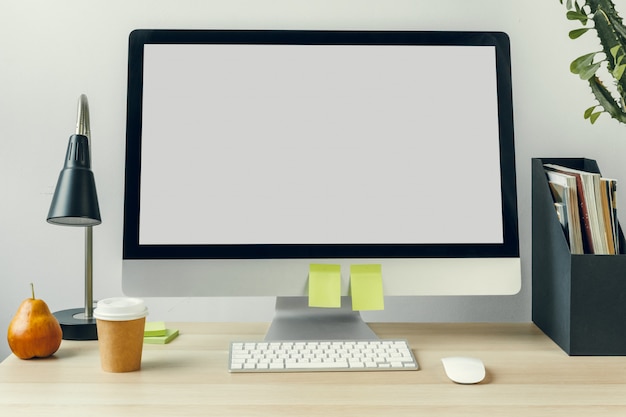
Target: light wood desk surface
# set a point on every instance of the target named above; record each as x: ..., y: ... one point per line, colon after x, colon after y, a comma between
x: 527, y: 375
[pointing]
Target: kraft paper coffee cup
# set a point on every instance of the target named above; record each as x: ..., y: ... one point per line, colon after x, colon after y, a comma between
x: 121, y: 322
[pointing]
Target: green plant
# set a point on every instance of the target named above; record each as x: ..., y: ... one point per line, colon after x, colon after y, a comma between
x: 602, y: 17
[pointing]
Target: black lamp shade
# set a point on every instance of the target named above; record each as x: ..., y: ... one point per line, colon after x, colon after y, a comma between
x: 75, y: 201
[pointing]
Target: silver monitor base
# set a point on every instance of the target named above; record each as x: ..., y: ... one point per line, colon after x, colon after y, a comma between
x: 295, y: 320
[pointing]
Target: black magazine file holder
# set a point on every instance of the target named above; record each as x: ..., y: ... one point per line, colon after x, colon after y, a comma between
x: 579, y: 301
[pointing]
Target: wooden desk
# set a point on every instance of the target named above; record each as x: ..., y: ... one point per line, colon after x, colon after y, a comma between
x: 527, y: 375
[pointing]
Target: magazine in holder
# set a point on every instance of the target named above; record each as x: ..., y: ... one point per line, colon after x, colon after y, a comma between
x: 577, y: 300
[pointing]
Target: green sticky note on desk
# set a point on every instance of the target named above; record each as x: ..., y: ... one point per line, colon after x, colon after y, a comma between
x: 324, y: 286
x: 154, y: 328
x: 366, y: 287
x: 170, y: 334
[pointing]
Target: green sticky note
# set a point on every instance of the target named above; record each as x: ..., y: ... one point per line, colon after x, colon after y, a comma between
x: 324, y: 286
x: 155, y: 328
x: 170, y: 334
x: 366, y: 287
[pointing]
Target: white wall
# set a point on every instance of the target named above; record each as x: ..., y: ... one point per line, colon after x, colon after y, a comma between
x: 52, y: 51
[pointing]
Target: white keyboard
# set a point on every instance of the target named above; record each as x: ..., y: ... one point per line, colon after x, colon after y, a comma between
x: 310, y: 356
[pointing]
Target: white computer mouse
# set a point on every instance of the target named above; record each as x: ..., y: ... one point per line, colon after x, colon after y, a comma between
x: 464, y: 370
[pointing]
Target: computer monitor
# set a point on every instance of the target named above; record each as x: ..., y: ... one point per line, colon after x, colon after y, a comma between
x: 251, y: 155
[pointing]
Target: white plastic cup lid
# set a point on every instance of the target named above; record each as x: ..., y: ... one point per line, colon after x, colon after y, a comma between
x: 120, y: 309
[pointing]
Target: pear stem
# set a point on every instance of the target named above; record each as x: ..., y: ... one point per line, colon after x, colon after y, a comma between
x: 32, y: 290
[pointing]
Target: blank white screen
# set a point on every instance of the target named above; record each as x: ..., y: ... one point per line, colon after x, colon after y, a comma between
x: 319, y: 144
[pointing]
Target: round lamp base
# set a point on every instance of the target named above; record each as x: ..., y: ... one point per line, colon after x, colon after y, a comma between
x: 75, y: 326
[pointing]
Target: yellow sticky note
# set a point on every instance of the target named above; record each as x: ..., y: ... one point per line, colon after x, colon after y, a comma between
x: 324, y: 286
x: 366, y: 287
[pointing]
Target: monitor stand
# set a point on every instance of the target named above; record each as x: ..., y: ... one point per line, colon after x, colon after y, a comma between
x: 295, y: 320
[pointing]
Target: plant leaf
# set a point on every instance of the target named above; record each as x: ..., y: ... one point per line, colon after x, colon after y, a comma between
x: 582, y: 62
x: 618, y: 71
x: 594, y: 117
x: 571, y: 15
x: 577, y: 5
x: 589, y: 111
x: 577, y: 33
x: 590, y: 71
x: 615, y: 50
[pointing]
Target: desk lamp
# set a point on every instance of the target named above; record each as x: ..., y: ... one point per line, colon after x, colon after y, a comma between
x: 75, y: 203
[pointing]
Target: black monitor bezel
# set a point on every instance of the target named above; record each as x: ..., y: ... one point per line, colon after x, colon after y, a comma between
x: 132, y: 249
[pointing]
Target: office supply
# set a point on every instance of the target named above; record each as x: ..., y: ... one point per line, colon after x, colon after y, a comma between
x: 319, y: 147
x: 155, y: 328
x: 170, y: 334
x: 366, y: 287
x: 593, y: 197
x: 463, y: 369
x: 608, y: 189
x: 565, y: 195
x: 577, y: 300
x: 529, y: 375
x: 312, y: 356
x: 75, y: 203
x: 325, y: 285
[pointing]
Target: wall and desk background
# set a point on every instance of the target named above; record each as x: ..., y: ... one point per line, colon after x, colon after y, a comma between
x: 50, y: 52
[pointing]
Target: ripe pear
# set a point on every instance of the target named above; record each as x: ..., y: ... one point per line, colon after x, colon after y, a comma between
x: 34, y: 332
